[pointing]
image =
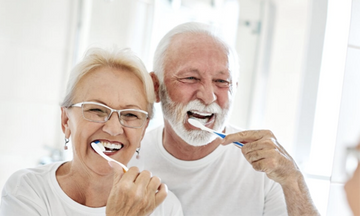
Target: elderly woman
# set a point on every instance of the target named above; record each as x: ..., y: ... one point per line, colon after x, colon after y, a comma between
x: 109, y: 101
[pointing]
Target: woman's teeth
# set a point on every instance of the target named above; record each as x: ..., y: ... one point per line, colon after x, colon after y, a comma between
x: 111, y: 147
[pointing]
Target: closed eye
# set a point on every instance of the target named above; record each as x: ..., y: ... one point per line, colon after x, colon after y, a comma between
x: 96, y: 110
x: 222, y: 83
x: 130, y: 115
x: 189, y: 79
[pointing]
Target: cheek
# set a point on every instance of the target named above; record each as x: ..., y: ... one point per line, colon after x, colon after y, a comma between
x: 81, y: 131
x: 223, y: 98
x: 178, y: 91
x: 135, y: 137
x: 182, y: 94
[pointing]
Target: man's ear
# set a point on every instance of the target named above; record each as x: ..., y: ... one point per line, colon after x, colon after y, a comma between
x: 65, y: 122
x: 156, y: 86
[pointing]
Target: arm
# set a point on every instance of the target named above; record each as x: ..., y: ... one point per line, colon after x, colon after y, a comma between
x: 134, y: 193
x: 298, y: 199
x: 265, y: 154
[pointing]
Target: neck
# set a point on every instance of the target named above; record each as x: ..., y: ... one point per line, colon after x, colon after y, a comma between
x: 84, y: 187
x: 181, y: 150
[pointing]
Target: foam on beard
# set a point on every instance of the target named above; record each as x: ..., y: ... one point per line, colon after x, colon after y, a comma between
x: 177, y: 114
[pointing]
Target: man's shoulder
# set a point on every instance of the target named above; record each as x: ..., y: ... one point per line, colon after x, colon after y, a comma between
x: 153, y: 132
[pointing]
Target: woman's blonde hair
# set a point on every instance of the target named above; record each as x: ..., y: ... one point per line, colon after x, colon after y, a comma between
x: 115, y: 58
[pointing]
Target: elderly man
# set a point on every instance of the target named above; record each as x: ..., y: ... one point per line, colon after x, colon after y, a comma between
x: 195, y: 77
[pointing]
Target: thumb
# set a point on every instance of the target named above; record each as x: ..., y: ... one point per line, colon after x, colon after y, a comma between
x: 226, y: 140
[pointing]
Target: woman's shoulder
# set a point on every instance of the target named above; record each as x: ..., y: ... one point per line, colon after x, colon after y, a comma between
x: 29, y: 177
x: 35, y: 171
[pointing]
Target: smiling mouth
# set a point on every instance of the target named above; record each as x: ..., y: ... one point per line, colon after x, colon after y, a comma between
x: 203, y: 117
x: 110, y: 147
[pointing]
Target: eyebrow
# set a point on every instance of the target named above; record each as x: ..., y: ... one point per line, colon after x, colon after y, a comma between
x: 194, y: 70
x: 129, y: 106
x: 188, y: 70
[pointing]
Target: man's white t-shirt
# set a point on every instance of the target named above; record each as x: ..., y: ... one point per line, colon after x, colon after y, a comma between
x: 35, y: 191
x: 222, y: 183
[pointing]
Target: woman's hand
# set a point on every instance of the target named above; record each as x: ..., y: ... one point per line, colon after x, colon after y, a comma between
x: 134, y: 193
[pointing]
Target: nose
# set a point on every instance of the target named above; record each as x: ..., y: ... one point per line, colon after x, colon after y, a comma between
x: 113, y: 125
x: 206, y: 93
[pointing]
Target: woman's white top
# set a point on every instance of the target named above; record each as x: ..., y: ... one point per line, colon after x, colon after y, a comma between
x: 35, y: 191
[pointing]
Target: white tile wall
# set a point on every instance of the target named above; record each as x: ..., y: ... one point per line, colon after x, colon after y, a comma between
x: 121, y: 23
x: 33, y: 52
x: 319, y: 191
x: 348, y: 133
x: 354, y: 38
x: 348, y: 128
x: 337, y: 201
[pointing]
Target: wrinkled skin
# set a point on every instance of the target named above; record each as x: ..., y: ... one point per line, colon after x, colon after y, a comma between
x: 262, y: 150
x: 134, y: 193
x: 265, y: 154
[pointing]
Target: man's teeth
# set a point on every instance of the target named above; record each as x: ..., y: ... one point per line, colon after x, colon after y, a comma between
x: 202, y: 117
x: 201, y: 120
x: 201, y: 114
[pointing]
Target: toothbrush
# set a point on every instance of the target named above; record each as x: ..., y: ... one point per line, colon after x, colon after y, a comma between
x: 197, y: 124
x: 99, y: 148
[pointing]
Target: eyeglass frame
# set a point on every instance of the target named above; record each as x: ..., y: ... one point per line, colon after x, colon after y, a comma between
x: 80, y: 105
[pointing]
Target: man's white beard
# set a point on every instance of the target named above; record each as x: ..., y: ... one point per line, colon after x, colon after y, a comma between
x: 176, y: 114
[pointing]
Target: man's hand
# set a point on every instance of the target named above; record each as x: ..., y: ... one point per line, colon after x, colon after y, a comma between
x: 134, y: 193
x: 265, y: 154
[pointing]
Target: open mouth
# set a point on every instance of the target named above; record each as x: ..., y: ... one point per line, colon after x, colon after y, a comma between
x: 203, y: 117
x: 110, y: 147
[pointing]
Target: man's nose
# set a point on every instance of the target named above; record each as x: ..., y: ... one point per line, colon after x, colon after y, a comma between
x: 206, y: 93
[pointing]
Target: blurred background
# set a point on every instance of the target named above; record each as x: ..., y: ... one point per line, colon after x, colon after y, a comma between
x: 300, y: 77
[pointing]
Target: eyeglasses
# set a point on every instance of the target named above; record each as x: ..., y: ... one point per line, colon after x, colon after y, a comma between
x: 352, y: 159
x: 97, y: 112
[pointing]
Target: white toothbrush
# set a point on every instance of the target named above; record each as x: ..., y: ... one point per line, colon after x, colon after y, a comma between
x: 198, y: 124
x: 100, y: 148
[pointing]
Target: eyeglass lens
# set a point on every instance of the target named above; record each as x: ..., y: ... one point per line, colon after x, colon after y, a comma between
x: 98, y: 113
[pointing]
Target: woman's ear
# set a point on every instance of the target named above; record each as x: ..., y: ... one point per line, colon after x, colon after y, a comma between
x: 65, y: 122
x: 156, y: 85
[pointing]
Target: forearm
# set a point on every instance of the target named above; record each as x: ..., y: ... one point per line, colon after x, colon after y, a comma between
x: 298, y: 199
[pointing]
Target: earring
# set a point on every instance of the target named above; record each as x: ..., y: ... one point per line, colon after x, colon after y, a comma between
x: 66, y: 142
x: 138, y: 153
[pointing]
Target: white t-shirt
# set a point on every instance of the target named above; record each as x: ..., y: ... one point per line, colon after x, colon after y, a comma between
x: 35, y: 191
x: 222, y: 183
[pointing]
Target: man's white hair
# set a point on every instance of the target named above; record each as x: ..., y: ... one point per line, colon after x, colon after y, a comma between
x: 193, y: 28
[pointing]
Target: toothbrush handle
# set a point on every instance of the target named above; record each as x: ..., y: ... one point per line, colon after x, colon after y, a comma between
x: 224, y: 135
